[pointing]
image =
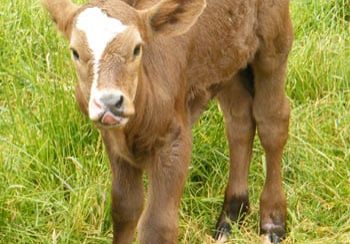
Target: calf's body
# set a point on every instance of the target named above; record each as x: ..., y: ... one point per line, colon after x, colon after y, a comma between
x: 234, y: 50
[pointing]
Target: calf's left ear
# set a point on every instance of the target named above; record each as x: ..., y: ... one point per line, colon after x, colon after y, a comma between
x: 172, y: 17
x: 62, y: 12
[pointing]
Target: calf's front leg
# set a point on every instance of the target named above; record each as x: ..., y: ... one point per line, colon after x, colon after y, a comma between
x: 127, y: 200
x: 167, y: 175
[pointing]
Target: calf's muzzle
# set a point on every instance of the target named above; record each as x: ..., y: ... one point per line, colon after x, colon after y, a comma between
x: 110, y: 108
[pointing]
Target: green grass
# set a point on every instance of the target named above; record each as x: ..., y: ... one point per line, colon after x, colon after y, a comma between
x: 54, y: 174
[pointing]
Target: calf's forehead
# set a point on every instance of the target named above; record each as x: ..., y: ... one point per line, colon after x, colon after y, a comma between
x: 99, y: 29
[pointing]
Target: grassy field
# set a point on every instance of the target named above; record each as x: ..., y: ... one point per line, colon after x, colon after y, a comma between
x: 54, y: 174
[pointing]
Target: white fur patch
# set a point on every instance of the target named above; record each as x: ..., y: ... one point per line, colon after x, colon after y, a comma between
x: 99, y: 30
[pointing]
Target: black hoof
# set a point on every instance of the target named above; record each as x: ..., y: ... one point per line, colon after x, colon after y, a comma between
x: 233, y: 211
x: 222, y: 230
x: 272, y: 239
x: 275, y: 239
x: 275, y: 232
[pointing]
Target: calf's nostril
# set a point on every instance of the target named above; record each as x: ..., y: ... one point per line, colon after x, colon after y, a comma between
x: 120, y: 102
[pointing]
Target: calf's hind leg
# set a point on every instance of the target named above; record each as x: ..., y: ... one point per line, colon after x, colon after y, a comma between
x: 271, y: 112
x: 236, y: 103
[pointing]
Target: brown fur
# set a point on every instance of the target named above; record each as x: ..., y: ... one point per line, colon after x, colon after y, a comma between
x: 175, y: 78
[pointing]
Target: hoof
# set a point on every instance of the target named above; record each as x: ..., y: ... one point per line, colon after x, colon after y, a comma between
x: 271, y: 239
x: 234, y: 210
x: 273, y: 233
x: 222, y: 231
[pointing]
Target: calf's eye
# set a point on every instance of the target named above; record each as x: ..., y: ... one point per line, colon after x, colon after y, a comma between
x: 137, y: 50
x: 75, y: 54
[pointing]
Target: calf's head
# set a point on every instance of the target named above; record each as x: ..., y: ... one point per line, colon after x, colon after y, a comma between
x: 106, y: 39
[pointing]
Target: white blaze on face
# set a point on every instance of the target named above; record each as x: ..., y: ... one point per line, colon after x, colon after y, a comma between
x: 99, y: 30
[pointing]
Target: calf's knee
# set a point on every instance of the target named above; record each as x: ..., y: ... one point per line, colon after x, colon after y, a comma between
x: 272, y: 123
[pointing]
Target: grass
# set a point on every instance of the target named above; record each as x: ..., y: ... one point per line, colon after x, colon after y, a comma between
x: 54, y: 174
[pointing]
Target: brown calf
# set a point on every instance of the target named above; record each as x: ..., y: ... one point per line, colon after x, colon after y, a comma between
x: 148, y: 68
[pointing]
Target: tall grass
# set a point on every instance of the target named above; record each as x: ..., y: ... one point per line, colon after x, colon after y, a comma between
x: 54, y: 174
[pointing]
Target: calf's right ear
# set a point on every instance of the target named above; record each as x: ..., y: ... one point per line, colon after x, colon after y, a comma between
x: 62, y: 12
x: 172, y: 17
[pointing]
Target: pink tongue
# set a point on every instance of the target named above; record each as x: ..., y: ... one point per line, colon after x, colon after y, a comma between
x: 109, y: 119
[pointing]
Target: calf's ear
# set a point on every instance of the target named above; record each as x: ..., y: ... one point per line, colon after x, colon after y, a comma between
x: 172, y: 17
x: 62, y: 12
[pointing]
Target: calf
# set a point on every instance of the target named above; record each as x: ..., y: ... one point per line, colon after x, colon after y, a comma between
x: 147, y: 70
